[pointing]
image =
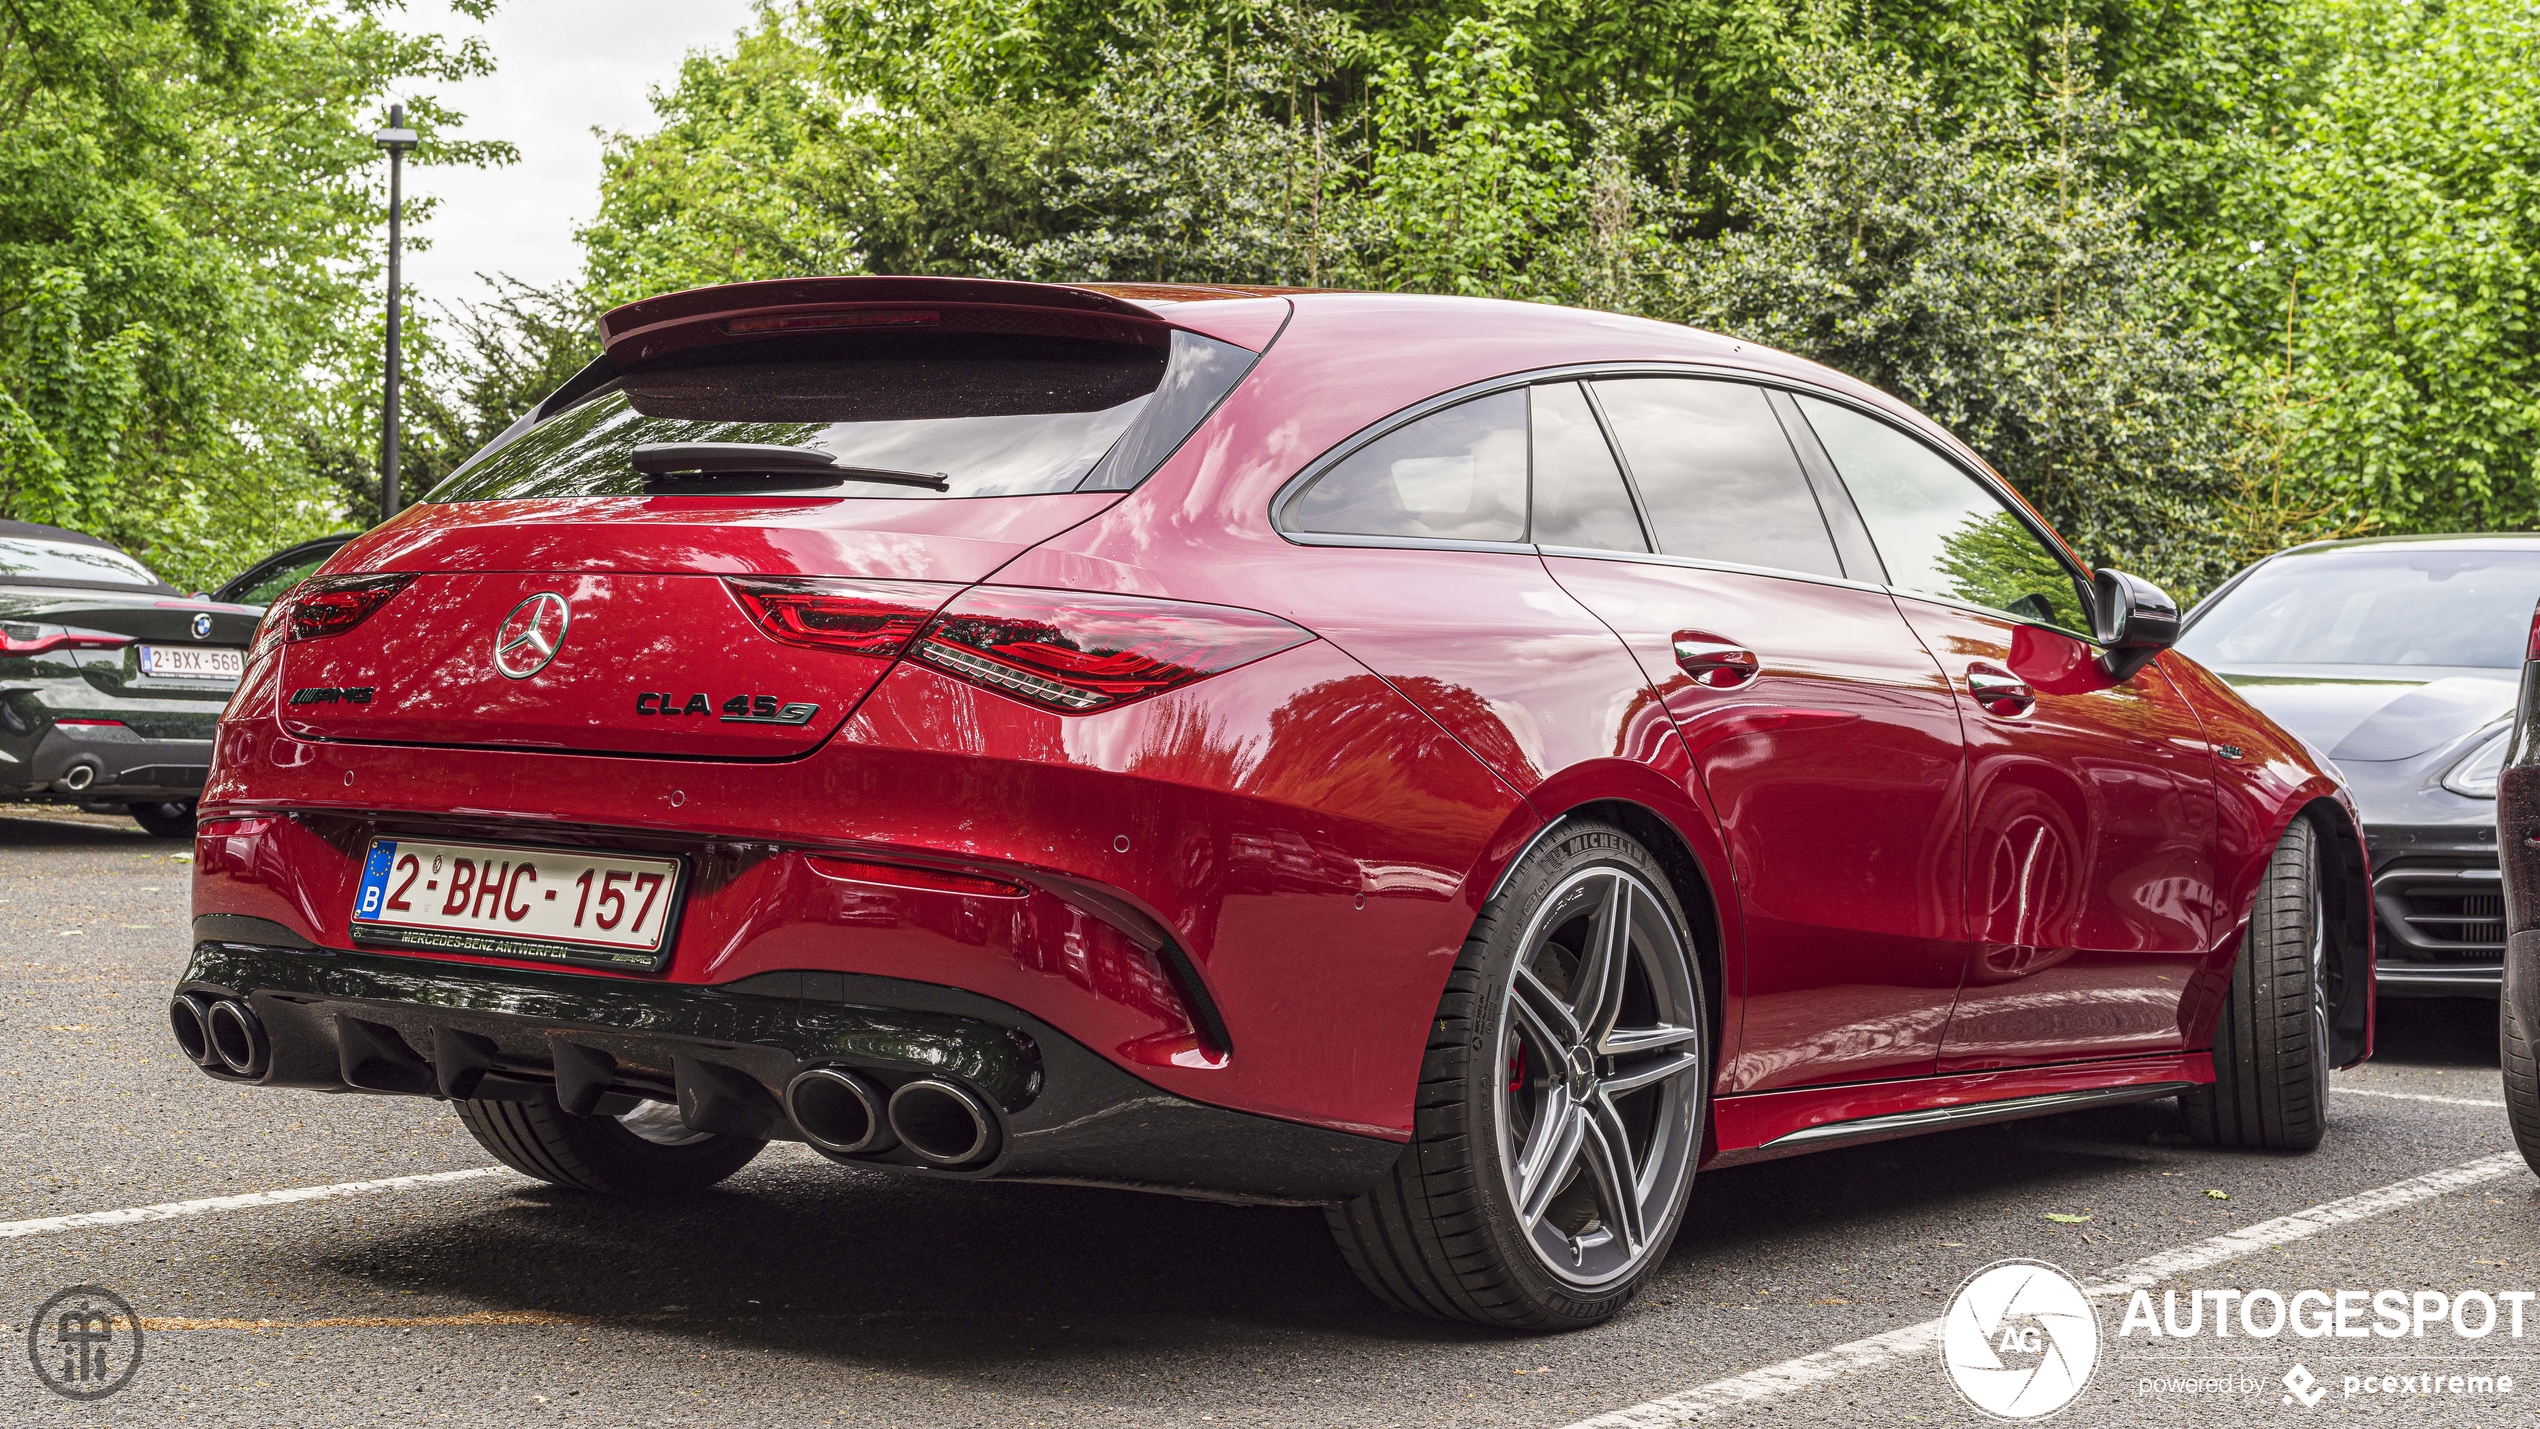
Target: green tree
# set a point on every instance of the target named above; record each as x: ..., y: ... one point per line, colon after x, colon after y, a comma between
x: 2383, y: 306
x: 1994, y: 274
x: 190, y: 211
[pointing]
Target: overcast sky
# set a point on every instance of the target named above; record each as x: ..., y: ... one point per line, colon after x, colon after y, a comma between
x: 564, y: 66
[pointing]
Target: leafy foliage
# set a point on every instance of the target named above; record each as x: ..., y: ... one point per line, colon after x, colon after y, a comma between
x: 190, y: 210
x: 1998, y: 279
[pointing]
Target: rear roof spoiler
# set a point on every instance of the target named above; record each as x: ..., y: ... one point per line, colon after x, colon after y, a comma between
x: 730, y: 312
x: 640, y: 331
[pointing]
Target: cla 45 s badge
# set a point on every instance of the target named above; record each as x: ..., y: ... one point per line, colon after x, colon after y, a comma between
x: 739, y: 709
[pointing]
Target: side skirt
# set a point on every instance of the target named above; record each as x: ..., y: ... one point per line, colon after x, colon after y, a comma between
x: 1769, y: 1125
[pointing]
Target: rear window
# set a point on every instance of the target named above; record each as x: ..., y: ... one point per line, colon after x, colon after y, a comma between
x: 36, y: 562
x: 991, y: 414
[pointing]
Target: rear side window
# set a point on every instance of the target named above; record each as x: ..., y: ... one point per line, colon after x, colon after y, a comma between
x: 1454, y: 475
x: 1938, y: 530
x: 1717, y: 473
x: 991, y: 414
x: 1579, y: 496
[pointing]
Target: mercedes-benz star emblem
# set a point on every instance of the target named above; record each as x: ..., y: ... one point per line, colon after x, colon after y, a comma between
x: 203, y: 626
x: 531, y: 635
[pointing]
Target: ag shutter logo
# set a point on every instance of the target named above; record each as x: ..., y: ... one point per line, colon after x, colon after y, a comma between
x: 2020, y: 1340
x: 85, y: 1342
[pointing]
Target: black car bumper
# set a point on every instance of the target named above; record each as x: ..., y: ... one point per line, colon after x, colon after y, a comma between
x: 2439, y: 897
x: 362, y: 1022
x: 112, y: 763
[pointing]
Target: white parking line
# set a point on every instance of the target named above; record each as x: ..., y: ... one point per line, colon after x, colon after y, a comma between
x: 171, y: 1210
x: 2413, y: 1097
x: 1775, y: 1381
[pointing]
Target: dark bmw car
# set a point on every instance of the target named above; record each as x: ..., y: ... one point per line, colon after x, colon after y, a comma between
x: 2397, y: 658
x: 110, y: 678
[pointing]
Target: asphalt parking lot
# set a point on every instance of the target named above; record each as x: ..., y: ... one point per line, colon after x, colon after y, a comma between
x: 803, y: 1293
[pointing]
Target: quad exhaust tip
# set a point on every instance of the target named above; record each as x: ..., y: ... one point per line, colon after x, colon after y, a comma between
x: 191, y: 1016
x: 944, y: 1123
x: 840, y: 1113
x: 220, y: 1034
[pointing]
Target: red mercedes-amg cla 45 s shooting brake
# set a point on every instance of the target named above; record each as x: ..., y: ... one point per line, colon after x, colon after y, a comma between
x: 1467, y: 765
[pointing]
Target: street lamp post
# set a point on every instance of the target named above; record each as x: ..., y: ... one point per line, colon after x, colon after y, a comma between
x: 396, y: 139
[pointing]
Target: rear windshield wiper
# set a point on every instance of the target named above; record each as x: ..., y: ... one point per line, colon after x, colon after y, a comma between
x: 711, y: 459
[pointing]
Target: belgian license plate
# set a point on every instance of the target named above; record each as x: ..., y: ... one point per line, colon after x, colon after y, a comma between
x: 557, y: 905
x: 193, y: 662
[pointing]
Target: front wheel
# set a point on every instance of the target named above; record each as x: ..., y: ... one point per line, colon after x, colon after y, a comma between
x: 646, y: 1152
x: 2270, y: 1087
x: 1560, y: 1105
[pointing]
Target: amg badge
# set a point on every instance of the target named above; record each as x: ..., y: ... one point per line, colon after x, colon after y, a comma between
x: 332, y: 695
x: 739, y: 709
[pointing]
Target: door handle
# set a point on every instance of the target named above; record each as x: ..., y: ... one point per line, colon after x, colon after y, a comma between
x: 1998, y: 691
x: 1713, y: 662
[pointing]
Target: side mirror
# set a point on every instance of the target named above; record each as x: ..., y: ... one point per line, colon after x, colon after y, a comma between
x: 2132, y: 620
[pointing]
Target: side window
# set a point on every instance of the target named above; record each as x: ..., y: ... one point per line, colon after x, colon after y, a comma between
x: 1457, y: 474
x: 1580, y: 499
x: 1937, y: 529
x: 1717, y: 473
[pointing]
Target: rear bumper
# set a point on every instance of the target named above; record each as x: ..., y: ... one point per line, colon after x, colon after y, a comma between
x: 113, y: 763
x: 362, y: 1022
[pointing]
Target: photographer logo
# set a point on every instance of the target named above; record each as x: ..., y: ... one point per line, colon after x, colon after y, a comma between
x: 85, y: 1342
x: 2020, y: 1340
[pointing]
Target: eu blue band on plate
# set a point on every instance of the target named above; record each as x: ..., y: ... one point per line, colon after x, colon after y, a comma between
x: 383, y: 857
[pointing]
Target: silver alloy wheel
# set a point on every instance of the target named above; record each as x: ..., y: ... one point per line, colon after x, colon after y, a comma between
x: 659, y: 1123
x: 1598, y: 1087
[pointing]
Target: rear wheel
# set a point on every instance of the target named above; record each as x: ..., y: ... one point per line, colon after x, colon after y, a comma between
x: 165, y: 821
x: 1560, y: 1104
x: 646, y: 1152
x: 2522, y: 1081
x: 2270, y: 1086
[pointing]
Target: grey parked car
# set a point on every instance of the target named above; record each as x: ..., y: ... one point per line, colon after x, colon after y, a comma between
x: 110, y: 678
x: 2398, y: 658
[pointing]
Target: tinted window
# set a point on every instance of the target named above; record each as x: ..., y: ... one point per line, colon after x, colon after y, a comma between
x: 1938, y: 530
x: 33, y: 562
x: 996, y: 415
x: 1717, y: 473
x: 1580, y: 499
x: 1457, y: 474
x: 274, y: 582
x: 2389, y: 605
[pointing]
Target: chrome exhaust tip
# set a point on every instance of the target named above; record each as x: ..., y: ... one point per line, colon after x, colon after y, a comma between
x: 237, y: 1038
x: 945, y: 1123
x: 840, y: 1112
x: 77, y: 778
x: 190, y: 1017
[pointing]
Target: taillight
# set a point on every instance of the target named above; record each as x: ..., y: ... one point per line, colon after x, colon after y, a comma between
x: 875, y: 619
x: 2531, y: 651
x: 332, y: 605
x: 1079, y: 653
x: 17, y: 639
